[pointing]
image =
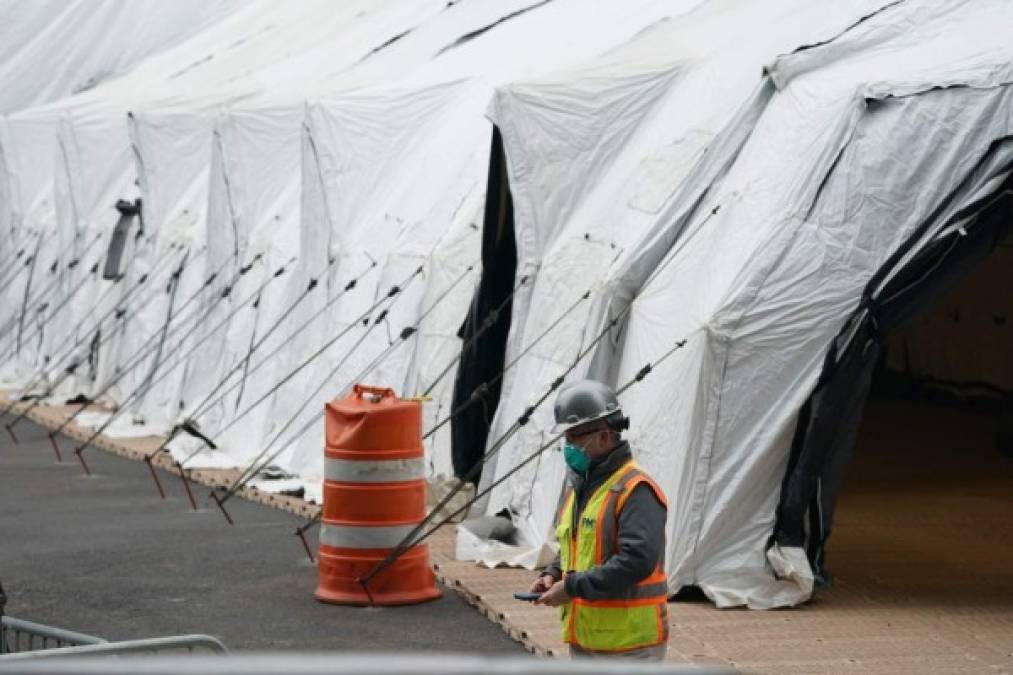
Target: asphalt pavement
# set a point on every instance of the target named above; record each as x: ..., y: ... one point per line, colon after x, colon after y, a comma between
x: 104, y: 555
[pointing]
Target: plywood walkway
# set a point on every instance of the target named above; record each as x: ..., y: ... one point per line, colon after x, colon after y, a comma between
x: 922, y: 556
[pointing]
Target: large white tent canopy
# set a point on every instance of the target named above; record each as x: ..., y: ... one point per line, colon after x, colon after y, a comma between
x: 305, y: 195
x: 824, y: 190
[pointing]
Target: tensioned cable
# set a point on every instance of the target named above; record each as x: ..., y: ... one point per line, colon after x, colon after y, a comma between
x: 118, y: 309
x: 528, y: 412
x: 417, y: 536
x: 479, y: 391
x: 54, y: 266
x: 394, y: 290
x: 9, y: 269
x: 141, y: 352
x: 179, y: 345
x: 55, y: 363
x: 491, y: 317
x: 37, y: 300
x: 405, y: 334
x: 13, y: 269
x: 210, y: 400
x: 25, y: 296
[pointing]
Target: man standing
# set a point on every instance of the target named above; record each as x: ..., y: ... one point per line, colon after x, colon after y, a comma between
x: 609, y: 579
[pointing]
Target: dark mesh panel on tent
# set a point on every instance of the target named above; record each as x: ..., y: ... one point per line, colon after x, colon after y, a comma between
x: 483, y: 359
x: 829, y: 422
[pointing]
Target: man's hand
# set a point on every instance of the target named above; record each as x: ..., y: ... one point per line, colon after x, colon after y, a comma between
x: 542, y: 584
x: 555, y: 596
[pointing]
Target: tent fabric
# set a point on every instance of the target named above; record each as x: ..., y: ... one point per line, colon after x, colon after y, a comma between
x: 644, y: 160
x: 255, y: 173
x: 829, y: 422
x: 54, y: 48
x: 779, y: 183
x: 431, y: 198
x: 784, y: 260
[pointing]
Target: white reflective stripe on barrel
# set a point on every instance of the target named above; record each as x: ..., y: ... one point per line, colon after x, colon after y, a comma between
x: 369, y: 471
x: 370, y: 536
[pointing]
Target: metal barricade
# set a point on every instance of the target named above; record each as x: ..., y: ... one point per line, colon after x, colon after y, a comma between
x: 18, y: 635
x: 158, y: 645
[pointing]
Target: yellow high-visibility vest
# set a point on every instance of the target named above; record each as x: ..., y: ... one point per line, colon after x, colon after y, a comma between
x: 633, y: 619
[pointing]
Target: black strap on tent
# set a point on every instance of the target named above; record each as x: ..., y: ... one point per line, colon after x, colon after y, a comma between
x: 392, y: 295
x: 190, y: 426
x: 43, y: 303
x: 406, y: 334
x: 179, y: 345
x: 29, y: 264
x: 420, y: 534
x: 26, y: 296
x: 488, y: 322
x: 12, y: 269
x: 40, y: 301
x: 172, y: 289
x: 141, y: 352
x: 118, y: 238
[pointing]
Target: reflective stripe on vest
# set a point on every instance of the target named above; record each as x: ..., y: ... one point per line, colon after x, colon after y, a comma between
x: 636, y: 618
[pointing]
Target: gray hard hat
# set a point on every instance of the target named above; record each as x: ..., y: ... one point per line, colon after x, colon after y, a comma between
x: 583, y: 401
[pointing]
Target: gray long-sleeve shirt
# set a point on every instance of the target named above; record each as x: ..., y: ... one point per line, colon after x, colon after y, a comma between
x: 641, y: 534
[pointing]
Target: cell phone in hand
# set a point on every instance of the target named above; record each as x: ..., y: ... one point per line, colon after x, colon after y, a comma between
x: 527, y: 596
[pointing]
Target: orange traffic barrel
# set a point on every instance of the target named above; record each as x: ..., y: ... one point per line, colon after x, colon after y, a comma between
x: 374, y: 496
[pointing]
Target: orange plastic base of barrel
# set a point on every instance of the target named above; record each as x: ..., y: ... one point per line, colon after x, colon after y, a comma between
x: 407, y: 581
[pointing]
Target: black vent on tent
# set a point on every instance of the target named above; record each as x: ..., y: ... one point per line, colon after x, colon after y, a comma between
x: 118, y: 241
x: 828, y: 423
x: 484, y: 358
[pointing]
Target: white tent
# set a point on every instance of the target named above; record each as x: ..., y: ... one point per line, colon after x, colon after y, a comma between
x: 250, y: 175
x: 96, y: 164
x: 178, y: 150
x: 870, y: 144
x: 399, y: 176
x: 646, y: 131
x: 252, y: 186
x: 52, y: 50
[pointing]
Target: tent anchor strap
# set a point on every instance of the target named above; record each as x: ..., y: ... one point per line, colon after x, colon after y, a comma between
x: 186, y: 486
x: 56, y: 446
x: 154, y: 477
x: 80, y: 458
x: 221, y: 506
x: 301, y: 533
x: 10, y: 430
